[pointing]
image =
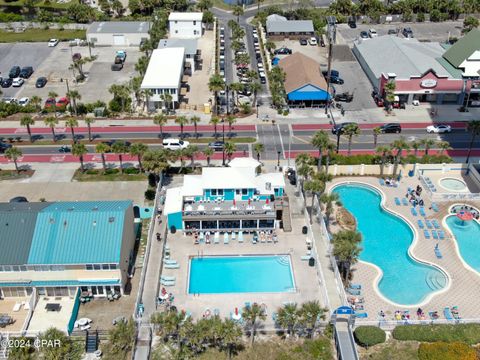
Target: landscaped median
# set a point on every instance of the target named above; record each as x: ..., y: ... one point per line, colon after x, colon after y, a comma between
x: 129, y: 174
x: 40, y: 35
x: 14, y: 175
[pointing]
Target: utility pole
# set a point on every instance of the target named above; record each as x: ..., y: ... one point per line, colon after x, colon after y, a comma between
x: 331, y: 30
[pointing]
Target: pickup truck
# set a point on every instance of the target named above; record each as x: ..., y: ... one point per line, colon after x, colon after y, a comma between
x: 122, y: 55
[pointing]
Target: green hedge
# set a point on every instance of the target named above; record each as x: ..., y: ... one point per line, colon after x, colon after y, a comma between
x: 369, y: 335
x: 446, y: 351
x: 369, y: 159
x: 468, y: 333
x: 131, y: 170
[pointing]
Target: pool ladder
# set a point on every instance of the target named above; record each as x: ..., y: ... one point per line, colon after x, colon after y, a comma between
x: 283, y: 260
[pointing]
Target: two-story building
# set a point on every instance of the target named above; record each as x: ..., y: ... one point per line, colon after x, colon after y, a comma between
x: 185, y: 25
x: 233, y: 198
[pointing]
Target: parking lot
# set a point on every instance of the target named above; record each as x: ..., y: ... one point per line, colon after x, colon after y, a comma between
x: 54, y: 62
x: 427, y: 31
x: 317, y: 53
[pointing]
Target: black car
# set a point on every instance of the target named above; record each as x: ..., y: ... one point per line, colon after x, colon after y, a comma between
x: 64, y: 149
x: 303, y: 41
x: 6, y: 83
x: 352, y: 22
x: 217, y: 145
x: 364, y: 35
x: 333, y: 73
x: 14, y: 72
x: 346, y: 97
x: 407, y: 32
x: 26, y: 72
x: 283, y: 51
x: 392, y: 32
x: 18, y: 199
x: 336, y: 80
x: 391, y: 128
x: 41, y: 82
x: 292, y: 176
x: 339, y: 128
x: 4, y: 146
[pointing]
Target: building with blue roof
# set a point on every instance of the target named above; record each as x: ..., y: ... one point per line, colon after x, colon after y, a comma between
x: 55, y: 248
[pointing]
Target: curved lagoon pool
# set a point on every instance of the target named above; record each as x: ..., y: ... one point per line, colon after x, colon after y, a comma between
x: 467, y: 235
x: 385, y: 242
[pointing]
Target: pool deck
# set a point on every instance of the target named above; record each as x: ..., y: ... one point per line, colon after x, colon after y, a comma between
x: 463, y: 289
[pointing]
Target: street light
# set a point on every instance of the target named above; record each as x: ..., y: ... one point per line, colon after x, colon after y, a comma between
x: 278, y: 158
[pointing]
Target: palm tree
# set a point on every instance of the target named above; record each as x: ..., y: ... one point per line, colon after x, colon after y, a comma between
x: 376, y: 131
x: 121, y: 340
x: 53, y: 95
x: 215, y: 84
x: 79, y: 149
x: 182, y: 121
x: 314, y: 186
x: 214, y: 121
x: 443, y: 145
x: 287, y: 317
x: 237, y: 11
x: 229, y: 148
x: 120, y: 148
x: 346, y: 249
x: 195, y: 120
x: 252, y: 314
x: 138, y: 150
x: 230, y: 120
x: 102, y: 148
x: 427, y: 143
x: 330, y: 150
x: 258, y: 148
x: 328, y: 200
x: 89, y: 121
x: 310, y: 314
x: 160, y: 120
x: 415, y: 145
x: 237, y: 87
x: 398, y: 145
x: 156, y: 161
x: 36, y: 101
x: 350, y: 131
x: 167, y: 99
x: 255, y: 87
x: 51, y: 122
x: 473, y: 127
x: 71, y: 123
x: 27, y: 121
x: 389, y: 89
x: 74, y: 95
x: 230, y: 335
x: 190, y: 152
x: 208, y: 152
x: 384, y: 151
x: 13, y: 154
x: 320, y: 140
x: 67, y: 349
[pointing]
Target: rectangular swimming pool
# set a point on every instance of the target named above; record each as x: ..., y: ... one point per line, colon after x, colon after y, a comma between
x: 241, y: 274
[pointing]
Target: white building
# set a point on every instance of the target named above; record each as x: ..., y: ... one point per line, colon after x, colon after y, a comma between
x: 185, y: 25
x: 191, y: 50
x: 164, y: 76
x: 118, y: 33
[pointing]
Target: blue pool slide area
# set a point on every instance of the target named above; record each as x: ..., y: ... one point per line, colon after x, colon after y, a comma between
x: 385, y: 242
x: 240, y: 274
x: 467, y: 235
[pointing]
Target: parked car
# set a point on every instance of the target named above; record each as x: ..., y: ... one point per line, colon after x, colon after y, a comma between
x: 372, y: 33
x: 336, y: 80
x: 6, y: 82
x: 321, y: 40
x: 391, y: 128
x: 4, y: 146
x: 439, y: 129
x: 9, y: 100
x: 52, y: 42
x: 364, y: 35
x: 378, y: 100
x: 41, y: 82
x: 216, y: 145
x: 63, y: 102
x: 49, y: 102
x: 292, y: 176
x: 283, y: 51
x: 313, y: 41
x: 24, y: 101
x: 346, y: 97
x: 26, y: 72
x: 174, y: 144
x: 407, y: 32
x: 18, y: 199
x: 303, y: 41
x: 340, y: 128
x: 122, y: 54
x: 17, y: 82
x: 64, y: 149
x: 352, y: 22
x: 392, y: 32
x: 333, y: 73
x: 14, y: 72
x: 117, y: 67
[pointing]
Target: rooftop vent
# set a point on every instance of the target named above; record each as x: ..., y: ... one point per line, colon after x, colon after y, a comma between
x: 6, y: 224
x: 95, y: 208
x: 111, y: 219
x: 51, y: 220
x: 94, y: 223
x: 65, y: 223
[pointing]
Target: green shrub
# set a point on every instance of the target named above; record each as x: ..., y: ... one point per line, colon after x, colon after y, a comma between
x: 112, y: 171
x: 131, y: 170
x: 468, y: 333
x: 150, y: 194
x: 446, y: 351
x: 369, y: 335
x: 91, y: 172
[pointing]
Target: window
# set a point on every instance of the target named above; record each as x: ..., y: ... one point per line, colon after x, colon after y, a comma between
x: 213, y: 192
x: 23, y: 268
x: 237, y: 191
x: 195, y: 32
x: 220, y: 192
x: 7, y: 268
x: 15, y: 268
x: 176, y: 22
x: 89, y: 267
x: 97, y: 267
x: 173, y: 91
x: 194, y: 23
x: 113, y: 266
x: 1, y: 268
x: 244, y: 191
x: 176, y: 31
x: 100, y: 290
x: 105, y: 267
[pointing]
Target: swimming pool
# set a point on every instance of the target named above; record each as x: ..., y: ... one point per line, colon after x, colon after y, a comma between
x: 385, y: 242
x: 467, y: 235
x: 453, y: 184
x: 241, y: 274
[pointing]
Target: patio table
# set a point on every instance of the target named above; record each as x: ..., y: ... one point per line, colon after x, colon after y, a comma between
x: 53, y: 307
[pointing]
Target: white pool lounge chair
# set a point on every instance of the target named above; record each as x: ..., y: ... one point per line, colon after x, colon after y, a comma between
x: 171, y: 266
x: 216, y: 238
x: 240, y: 236
x: 225, y: 238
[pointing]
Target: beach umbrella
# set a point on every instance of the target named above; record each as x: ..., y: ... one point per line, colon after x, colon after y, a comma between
x: 248, y: 201
x: 236, y: 311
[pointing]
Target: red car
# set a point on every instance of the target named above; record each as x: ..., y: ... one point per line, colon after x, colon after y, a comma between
x: 63, y: 102
x: 49, y: 102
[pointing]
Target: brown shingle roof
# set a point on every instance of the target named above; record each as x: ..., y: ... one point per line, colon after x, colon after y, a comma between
x: 300, y: 70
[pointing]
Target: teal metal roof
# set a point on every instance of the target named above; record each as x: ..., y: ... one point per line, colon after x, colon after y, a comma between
x: 79, y: 233
x: 454, y: 72
x: 61, y: 283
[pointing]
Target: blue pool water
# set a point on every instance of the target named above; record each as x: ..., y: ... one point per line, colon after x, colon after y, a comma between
x: 146, y: 213
x: 385, y: 242
x: 240, y: 274
x: 467, y: 235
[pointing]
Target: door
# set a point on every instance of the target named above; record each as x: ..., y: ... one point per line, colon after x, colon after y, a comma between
x: 118, y: 39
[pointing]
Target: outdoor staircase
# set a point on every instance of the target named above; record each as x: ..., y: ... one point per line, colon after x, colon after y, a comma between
x: 286, y: 221
x: 91, y: 342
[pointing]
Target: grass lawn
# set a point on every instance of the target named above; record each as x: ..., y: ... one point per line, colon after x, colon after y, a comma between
x: 391, y: 350
x: 39, y: 35
x: 98, y: 175
x: 40, y: 4
x: 13, y: 175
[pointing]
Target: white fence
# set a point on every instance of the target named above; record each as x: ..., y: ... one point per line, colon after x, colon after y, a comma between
x: 391, y: 324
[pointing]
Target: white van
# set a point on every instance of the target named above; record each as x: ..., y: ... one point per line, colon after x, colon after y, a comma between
x: 174, y: 144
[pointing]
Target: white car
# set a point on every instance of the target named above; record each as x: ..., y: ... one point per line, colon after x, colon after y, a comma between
x: 175, y: 144
x: 17, y: 82
x: 439, y: 129
x: 372, y: 33
x: 312, y: 41
x: 9, y: 100
x: 52, y: 42
x: 23, y: 101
